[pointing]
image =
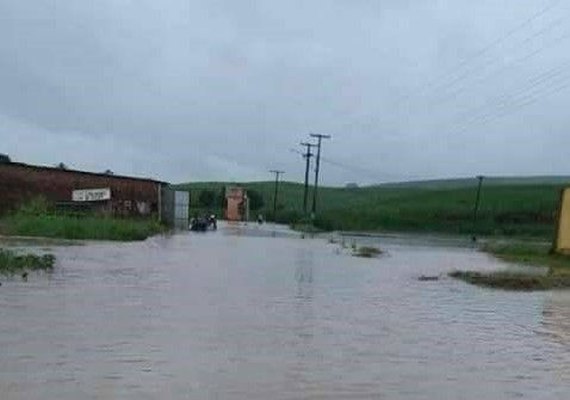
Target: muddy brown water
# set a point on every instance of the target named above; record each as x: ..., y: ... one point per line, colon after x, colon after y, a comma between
x: 247, y: 314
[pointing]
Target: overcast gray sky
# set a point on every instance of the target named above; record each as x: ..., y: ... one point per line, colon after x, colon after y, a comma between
x: 225, y: 89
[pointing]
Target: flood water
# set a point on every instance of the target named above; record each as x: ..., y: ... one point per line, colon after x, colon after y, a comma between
x: 240, y: 314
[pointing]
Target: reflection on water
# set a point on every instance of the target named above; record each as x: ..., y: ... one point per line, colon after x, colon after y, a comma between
x: 240, y: 314
x: 556, y: 316
x: 304, y: 318
x: 556, y: 327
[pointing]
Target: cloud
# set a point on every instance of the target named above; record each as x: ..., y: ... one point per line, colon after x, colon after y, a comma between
x: 218, y: 89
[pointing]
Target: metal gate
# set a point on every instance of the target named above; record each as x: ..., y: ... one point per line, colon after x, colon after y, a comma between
x: 181, y: 209
x: 175, y: 208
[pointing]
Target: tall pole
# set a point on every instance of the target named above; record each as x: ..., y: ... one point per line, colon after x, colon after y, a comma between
x: 477, y: 203
x: 308, y: 155
x: 319, y: 138
x: 277, y: 174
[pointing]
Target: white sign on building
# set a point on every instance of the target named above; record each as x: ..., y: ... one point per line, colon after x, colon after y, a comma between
x: 92, y: 195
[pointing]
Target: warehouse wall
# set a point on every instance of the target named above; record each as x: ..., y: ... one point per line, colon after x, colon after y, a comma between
x: 20, y: 183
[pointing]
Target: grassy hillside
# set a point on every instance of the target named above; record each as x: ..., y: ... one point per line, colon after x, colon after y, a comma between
x: 489, y: 181
x: 509, y: 206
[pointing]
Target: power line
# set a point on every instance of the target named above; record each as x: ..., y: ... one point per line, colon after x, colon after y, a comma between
x: 551, y: 5
x: 442, y: 98
x: 453, y: 95
x: 360, y: 171
x: 435, y: 83
x: 519, y: 60
x: 521, y: 103
x: 469, y: 73
x: 348, y: 167
x: 537, y: 87
x: 537, y: 82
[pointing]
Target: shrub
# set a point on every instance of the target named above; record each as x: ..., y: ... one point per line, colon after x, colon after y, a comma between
x: 207, y: 198
x: 12, y: 263
x: 37, y: 206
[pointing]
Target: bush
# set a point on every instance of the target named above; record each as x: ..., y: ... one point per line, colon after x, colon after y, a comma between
x: 324, y: 224
x: 367, y: 252
x: 288, y: 217
x: 207, y: 198
x: 12, y: 263
x: 36, y: 206
x: 256, y: 201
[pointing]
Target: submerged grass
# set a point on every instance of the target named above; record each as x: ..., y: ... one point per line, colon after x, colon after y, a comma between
x: 514, y: 281
x: 553, y: 270
x: 306, y: 228
x: 12, y: 263
x: 367, y: 252
x: 85, y: 228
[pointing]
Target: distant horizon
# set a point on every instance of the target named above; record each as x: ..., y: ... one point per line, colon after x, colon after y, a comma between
x: 285, y: 180
x: 428, y: 180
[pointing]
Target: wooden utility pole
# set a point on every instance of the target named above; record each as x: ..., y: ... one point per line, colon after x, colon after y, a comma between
x: 307, y: 156
x: 277, y: 175
x: 319, y: 138
x: 476, y: 207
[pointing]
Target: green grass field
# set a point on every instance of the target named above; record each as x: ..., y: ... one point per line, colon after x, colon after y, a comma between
x: 509, y: 206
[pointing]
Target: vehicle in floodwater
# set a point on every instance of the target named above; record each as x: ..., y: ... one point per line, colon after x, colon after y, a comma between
x: 202, y: 224
x: 213, y: 222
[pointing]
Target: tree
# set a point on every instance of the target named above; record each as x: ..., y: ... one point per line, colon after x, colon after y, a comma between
x: 61, y: 166
x: 4, y: 158
x: 256, y: 200
x: 207, y: 198
x: 222, y: 201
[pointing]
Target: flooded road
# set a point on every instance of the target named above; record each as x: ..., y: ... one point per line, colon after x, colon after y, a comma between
x: 239, y: 314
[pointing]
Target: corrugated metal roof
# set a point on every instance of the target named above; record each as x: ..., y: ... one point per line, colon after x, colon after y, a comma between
x: 73, y: 171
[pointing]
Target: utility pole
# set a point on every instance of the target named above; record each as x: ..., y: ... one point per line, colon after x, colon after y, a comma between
x: 476, y: 207
x: 319, y: 138
x: 307, y: 156
x: 277, y: 174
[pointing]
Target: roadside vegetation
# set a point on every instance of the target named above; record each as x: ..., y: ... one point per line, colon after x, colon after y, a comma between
x: 12, y: 263
x: 530, y: 253
x: 305, y: 225
x: 514, y: 280
x: 552, y: 271
x: 37, y: 220
x: 366, y: 252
